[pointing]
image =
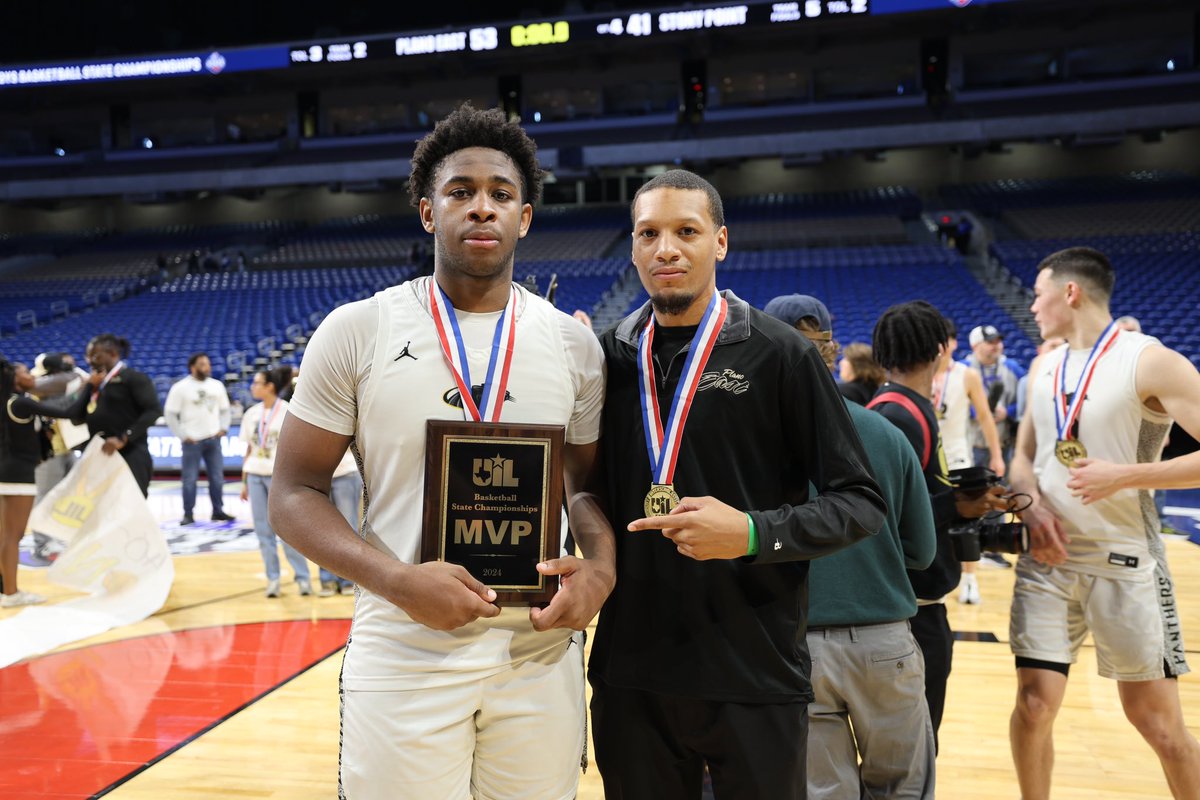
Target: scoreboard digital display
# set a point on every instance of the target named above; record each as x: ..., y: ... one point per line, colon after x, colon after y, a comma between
x: 216, y: 62
x: 554, y: 33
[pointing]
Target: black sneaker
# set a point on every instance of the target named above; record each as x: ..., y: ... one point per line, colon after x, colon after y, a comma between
x: 221, y: 516
x: 187, y: 520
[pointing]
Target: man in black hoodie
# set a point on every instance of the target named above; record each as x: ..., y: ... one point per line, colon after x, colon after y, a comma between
x: 730, y: 463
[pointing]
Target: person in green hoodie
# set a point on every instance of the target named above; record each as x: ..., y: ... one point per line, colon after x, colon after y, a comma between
x: 869, y: 728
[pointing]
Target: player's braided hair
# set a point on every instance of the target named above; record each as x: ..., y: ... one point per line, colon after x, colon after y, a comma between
x: 466, y: 127
x: 908, y: 336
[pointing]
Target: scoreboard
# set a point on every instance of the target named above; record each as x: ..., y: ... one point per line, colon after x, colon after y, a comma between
x: 561, y: 33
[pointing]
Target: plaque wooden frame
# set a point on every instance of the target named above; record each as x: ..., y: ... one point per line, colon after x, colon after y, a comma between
x: 481, y: 525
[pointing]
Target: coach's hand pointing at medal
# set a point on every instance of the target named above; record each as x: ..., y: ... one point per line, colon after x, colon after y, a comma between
x: 702, y: 528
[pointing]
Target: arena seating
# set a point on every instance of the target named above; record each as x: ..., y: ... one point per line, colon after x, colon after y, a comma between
x: 236, y: 318
x: 994, y: 197
x: 1105, y: 219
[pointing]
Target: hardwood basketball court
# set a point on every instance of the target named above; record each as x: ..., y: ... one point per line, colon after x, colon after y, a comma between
x: 224, y: 693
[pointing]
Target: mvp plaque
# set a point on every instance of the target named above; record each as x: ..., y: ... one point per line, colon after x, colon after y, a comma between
x: 493, y: 504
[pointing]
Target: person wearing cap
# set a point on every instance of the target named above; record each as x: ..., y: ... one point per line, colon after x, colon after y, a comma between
x: 869, y: 729
x: 1000, y: 376
x: 700, y: 656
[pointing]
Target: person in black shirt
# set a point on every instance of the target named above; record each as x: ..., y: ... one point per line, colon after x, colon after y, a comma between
x: 700, y: 655
x: 908, y: 342
x: 120, y: 404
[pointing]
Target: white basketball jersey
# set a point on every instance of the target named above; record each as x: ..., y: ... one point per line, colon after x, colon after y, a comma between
x: 375, y: 370
x: 1117, y: 536
x: 953, y: 412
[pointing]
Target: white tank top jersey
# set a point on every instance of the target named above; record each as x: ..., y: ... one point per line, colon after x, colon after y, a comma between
x: 1119, y: 536
x: 953, y: 413
x: 374, y: 370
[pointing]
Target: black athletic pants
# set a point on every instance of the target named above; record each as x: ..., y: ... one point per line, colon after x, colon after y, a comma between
x: 140, y: 464
x: 932, y: 632
x: 654, y: 747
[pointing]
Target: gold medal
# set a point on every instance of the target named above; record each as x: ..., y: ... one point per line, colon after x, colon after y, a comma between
x: 660, y: 500
x: 1068, y: 451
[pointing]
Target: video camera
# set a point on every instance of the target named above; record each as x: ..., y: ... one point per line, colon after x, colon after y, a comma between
x: 990, y: 533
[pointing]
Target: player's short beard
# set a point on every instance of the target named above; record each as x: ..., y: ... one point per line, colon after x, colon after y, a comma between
x: 672, y: 305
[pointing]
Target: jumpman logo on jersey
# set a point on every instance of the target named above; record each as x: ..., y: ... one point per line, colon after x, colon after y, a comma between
x: 405, y: 352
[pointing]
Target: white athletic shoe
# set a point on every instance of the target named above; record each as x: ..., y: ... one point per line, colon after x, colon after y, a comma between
x: 305, y: 587
x: 968, y: 593
x: 273, y: 587
x: 19, y: 598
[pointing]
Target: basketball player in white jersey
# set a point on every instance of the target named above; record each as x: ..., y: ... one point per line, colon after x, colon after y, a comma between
x: 956, y: 390
x: 445, y: 695
x: 1087, y: 452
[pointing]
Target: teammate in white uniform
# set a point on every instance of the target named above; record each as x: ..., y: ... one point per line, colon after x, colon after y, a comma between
x: 956, y: 390
x: 445, y: 695
x: 1087, y: 452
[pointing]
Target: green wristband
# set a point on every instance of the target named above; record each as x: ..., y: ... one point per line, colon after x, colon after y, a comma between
x: 752, y: 545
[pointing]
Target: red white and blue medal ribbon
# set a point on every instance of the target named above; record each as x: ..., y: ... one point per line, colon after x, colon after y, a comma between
x: 112, y: 373
x: 939, y: 390
x: 95, y: 398
x: 264, y: 427
x: 495, y: 384
x: 1067, y: 407
x: 662, y: 445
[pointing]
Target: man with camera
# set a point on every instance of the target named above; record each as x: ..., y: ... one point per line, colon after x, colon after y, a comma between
x: 908, y: 342
x: 869, y: 730
x: 1087, y: 452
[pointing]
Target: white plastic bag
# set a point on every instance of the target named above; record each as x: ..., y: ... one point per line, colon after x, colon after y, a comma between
x: 115, y: 552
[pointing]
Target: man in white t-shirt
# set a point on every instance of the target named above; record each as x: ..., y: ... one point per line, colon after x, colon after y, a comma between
x: 1087, y: 454
x: 444, y: 694
x: 197, y: 411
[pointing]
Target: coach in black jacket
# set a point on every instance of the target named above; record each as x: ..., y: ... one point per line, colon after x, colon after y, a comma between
x: 700, y: 654
x: 119, y: 404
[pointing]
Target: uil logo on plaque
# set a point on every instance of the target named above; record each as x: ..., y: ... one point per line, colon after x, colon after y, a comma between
x: 493, y: 503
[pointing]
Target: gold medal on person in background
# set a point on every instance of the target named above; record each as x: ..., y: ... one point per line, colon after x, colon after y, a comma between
x: 1068, y: 451
x: 660, y: 500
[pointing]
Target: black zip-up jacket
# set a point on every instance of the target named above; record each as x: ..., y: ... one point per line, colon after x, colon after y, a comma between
x: 766, y: 421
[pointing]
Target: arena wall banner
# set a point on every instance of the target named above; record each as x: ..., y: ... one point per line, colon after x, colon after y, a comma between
x: 115, y: 552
